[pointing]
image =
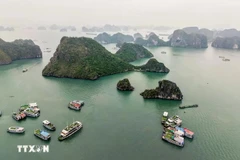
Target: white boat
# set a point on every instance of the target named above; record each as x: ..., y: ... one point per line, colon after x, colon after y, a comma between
x: 70, y: 130
x: 16, y: 129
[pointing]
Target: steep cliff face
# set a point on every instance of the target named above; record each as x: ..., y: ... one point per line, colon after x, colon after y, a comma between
x: 83, y: 58
x: 18, y: 49
x: 130, y: 52
x: 166, y: 90
x: 4, y: 58
x: 227, y: 43
x: 124, y: 85
x: 137, y: 35
x: 182, y: 39
x: 153, y: 66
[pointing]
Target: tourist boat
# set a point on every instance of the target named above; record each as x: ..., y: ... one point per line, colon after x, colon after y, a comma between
x: 19, y: 116
x: 174, y: 139
x: 15, y: 129
x: 42, y: 134
x: 176, y: 119
x: 189, y: 106
x: 164, y: 117
x: 49, y: 125
x: 188, y: 133
x: 76, y: 105
x: 33, y: 106
x: 30, y: 113
x: 175, y: 131
x: 70, y: 130
x: 169, y: 124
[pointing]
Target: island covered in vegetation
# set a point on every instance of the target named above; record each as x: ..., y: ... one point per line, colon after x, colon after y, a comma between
x: 18, y: 49
x: 124, y: 85
x: 227, y: 42
x: 83, y: 58
x: 152, y: 40
x: 166, y: 90
x: 131, y: 52
x: 152, y: 66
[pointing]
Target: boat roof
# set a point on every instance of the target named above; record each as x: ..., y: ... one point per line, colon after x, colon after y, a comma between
x: 44, y: 133
x: 46, y: 122
x: 188, y: 131
x: 33, y: 104
x: 64, y: 131
x: 165, y: 114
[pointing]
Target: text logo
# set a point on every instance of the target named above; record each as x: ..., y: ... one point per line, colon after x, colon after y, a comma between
x: 33, y: 148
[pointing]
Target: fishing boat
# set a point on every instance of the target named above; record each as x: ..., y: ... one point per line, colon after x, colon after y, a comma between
x: 76, y: 105
x: 189, y: 106
x: 174, y: 139
x: 70, y: 130
x: 19, y: 116
x: 16, y: 129
x: 164, y: 117
x: 25, y: 70
x: 42, y: 134
x: 188, y: 133
x: 49, y: 125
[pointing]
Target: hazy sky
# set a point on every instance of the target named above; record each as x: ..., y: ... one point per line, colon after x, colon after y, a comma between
x: 179, y: 13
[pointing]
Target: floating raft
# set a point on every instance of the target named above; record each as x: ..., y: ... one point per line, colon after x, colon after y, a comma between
x: 190, y: 106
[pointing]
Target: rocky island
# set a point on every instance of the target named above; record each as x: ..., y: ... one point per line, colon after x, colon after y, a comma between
x: 166, y: 90
x: 105, y: 38
x: 151, y: 41
x: 18, y: 49
x: 124, y: 85
x: 137, y: 35
x: 152, y: 66
x: 181, y: 39
x: 83, y: 58
x: 227, y: 42
x: 131, y: 52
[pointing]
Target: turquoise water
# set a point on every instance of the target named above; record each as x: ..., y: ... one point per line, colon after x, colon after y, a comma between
x: 122, y: 125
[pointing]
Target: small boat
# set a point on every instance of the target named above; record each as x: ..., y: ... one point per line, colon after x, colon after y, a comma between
x: 25, y: 70
x: 0, y: 113
x: 76, y: 105
x: 189, y: 106
x: 42, y: 134
x: 15, y: 129
x: 164, y: 117
x: 174, y: 139
x: 188, y: 133
x: 19, y: 116
x: 163, y: 52
x: 49, y: 125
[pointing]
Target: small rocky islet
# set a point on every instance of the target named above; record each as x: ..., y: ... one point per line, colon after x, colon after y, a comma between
x: 124, y: 85
x: 166, y: 90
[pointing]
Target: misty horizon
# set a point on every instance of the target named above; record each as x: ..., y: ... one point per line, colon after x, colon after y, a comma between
x: 177, y: 14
